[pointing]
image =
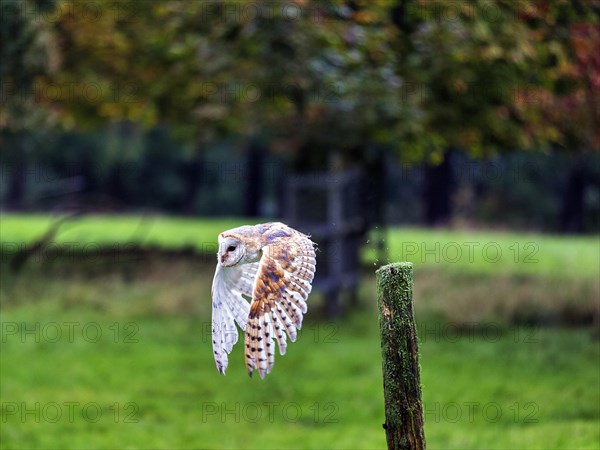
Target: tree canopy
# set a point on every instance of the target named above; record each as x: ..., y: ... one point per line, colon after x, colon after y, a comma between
x: 315, y: 76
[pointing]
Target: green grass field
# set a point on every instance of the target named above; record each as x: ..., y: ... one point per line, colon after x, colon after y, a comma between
x: 105, y: 353
x: 498, y: 253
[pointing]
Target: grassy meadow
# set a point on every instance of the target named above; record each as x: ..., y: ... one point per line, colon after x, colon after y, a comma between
x: 496, y: 253
x: 114, y: 351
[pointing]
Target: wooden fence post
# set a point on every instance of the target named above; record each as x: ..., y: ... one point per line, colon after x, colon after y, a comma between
x: 401, y: 378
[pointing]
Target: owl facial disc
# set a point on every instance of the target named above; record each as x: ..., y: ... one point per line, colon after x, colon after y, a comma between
x: 231, y: 251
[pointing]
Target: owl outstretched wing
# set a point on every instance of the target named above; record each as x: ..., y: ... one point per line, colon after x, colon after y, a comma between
x: 229, y: 305
x: 282, y: 284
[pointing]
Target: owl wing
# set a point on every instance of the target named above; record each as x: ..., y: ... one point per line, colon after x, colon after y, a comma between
x: 228, y: 305
x: 281, y: 287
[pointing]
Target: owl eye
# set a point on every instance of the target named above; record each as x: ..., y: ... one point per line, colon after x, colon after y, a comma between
x: 231, y: 248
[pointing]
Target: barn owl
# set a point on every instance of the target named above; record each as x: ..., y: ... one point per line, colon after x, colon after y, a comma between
x: 272, y: 265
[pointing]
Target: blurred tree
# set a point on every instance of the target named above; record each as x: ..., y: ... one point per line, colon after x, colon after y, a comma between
x: 309, y: 75
x: 483, y: 72
x: 27, y: 52
x: 442, y: 73
x: 578, y: 112
x: 323, y: 80
x: 572, y: 106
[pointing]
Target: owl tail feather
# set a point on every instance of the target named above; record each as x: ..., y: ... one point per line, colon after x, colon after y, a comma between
x: 259, y: 345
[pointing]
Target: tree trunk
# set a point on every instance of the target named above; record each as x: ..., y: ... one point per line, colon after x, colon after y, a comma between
x: 254, y: 179
x: 437, y: 193
x: 282, y: 189
x: 193, y: 181
x: 573, y: 204
x: 17, y: 170
x: 374, y: 202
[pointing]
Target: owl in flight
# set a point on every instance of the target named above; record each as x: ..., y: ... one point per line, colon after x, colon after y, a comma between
x: 273, y: 266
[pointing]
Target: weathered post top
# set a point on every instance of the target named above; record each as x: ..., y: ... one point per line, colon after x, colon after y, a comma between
x: 399, y: 347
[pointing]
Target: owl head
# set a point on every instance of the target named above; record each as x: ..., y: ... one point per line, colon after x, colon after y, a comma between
x: 231, y: 251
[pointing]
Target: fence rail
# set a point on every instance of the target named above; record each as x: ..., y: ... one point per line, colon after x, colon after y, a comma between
x: 328, y: 206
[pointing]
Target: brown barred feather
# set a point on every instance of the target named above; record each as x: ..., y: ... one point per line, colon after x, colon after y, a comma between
x: 283, y: 269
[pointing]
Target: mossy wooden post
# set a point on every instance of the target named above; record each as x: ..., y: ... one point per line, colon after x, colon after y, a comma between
x: 401, y: 378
